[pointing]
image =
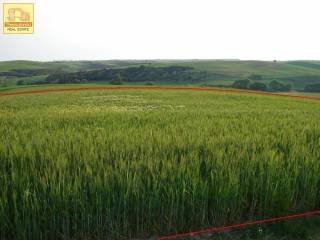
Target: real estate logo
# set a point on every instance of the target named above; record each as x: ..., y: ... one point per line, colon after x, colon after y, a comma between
x: 18, y: 18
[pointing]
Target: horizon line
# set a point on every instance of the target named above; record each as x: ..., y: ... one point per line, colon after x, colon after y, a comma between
x: 160, y: 59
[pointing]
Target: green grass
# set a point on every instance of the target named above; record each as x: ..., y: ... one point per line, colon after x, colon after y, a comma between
x: 296, y: 73
x: 68, y: 66
x: 232, y: 68
x: 15, y: 88
x: 130, y: 163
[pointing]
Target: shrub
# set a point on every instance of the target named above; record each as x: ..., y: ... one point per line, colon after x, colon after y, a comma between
x: 149, y: 83
x: 21, y: 82
x: 117, y: 80
x: 278, y: 86
x: 312, y: 88
x: 242, y: 84
x: 258, y: 86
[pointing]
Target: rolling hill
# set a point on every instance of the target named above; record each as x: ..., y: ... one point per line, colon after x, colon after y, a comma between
x: 217, y: 72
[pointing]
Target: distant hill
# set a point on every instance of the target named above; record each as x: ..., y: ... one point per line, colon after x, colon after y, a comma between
x: 214, y: 72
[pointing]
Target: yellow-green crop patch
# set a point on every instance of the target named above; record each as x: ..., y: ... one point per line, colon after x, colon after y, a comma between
x: 121, y: 163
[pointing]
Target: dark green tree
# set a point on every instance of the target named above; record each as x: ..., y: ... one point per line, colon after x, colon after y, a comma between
x: 117, y: 80
x: 149, y: 83
x: 242, y: 84
x: 21, y: 82
x: 279, y: 87
x: 258, y: 86
x: 312, y: 88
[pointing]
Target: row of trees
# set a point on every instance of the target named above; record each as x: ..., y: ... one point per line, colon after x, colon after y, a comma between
x: 132, y: 74
x: 273, y: 86
x: 312, y: 87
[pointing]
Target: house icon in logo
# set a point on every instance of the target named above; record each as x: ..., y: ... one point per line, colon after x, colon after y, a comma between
x: 18, y: 14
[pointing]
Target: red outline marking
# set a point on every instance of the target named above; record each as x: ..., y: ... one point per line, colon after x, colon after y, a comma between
x: 241, y: 225
x: 155, y: 88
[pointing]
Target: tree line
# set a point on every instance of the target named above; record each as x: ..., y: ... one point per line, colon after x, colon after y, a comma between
x: 312, y: 87
x: 131, y: 74
x: 273, y: 86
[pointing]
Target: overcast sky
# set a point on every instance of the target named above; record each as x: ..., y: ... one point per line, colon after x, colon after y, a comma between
x: 168, y: 29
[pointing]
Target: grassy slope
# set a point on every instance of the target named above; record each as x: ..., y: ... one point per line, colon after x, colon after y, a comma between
x: 241, y: 69
x: 70, y: 66
x: 229, y: 70
x: 130, y: 162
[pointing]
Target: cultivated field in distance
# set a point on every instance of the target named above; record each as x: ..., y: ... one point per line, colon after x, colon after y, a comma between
x: 121, y: 164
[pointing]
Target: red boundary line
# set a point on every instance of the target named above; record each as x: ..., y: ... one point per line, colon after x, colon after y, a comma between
x: 154, y: 88
x: 241, y: 225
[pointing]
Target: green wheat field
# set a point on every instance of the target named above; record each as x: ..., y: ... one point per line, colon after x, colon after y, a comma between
x: 125, y: 164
